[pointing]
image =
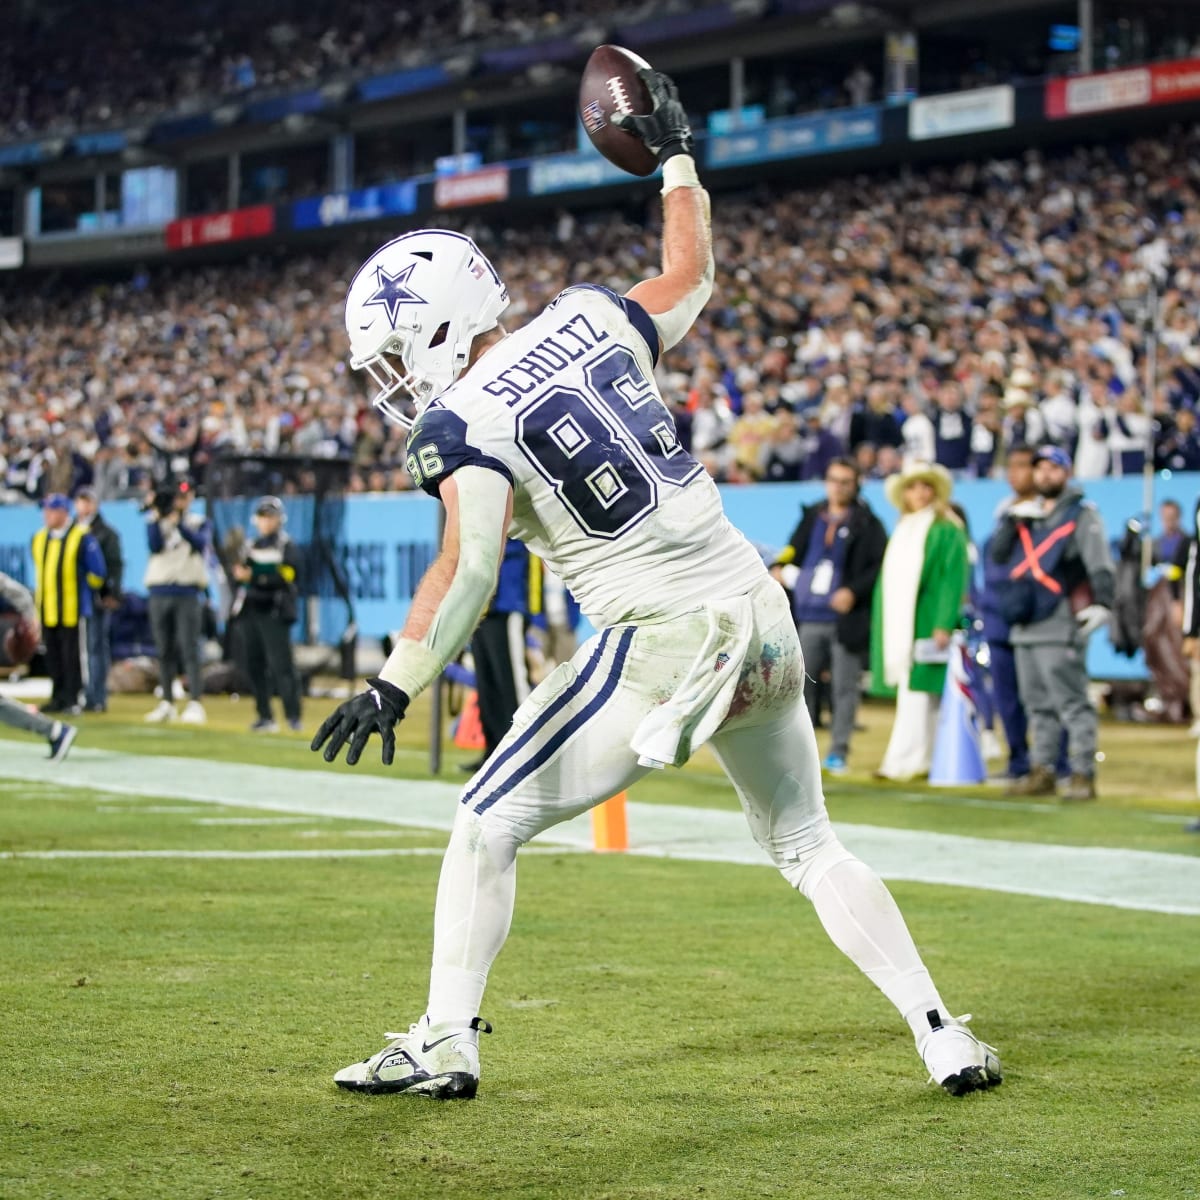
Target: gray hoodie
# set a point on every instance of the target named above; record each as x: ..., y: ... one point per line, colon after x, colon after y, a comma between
x: 1086, y: 557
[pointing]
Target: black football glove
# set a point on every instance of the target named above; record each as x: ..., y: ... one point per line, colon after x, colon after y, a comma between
x: 377, y: 710
x: 665, y: 128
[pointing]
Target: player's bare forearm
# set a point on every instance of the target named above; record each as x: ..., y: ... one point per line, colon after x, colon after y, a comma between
x: 674, y: 298
x: 431, y: 591
x: 687, y: 237
x: 687, y: 262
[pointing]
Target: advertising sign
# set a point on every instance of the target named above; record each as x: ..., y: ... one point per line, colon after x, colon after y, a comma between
x: 257, y: 221
x: 792, y: 137
x: 478, y: 187
x: 1159, y: 83
x: 365, y: 204
x: 572, y: 172
x: 962, y: 112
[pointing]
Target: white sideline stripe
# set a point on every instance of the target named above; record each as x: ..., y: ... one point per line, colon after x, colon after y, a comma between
x: 1137, y: 879
x: 251, y: 820
x: 396, y: 851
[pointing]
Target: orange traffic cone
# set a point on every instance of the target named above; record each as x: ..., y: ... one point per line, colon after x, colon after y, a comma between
x: 468, y: 731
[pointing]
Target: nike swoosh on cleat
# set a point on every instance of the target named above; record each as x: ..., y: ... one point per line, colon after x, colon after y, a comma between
x: 427, y: 1046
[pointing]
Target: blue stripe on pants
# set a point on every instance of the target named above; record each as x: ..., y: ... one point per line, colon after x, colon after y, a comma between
x: 551, y: 747
x: 543, y: 718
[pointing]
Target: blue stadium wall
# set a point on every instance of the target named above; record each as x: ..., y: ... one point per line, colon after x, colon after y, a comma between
x: 390, y: 539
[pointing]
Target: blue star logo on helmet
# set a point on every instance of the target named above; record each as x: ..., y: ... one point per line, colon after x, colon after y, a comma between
x: 393, y: 291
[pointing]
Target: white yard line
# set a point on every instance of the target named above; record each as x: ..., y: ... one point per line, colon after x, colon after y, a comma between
x: 396, y: 851
x: 1136, y: 879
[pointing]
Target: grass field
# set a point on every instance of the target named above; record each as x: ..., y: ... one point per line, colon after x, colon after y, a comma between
x: 663, y: 1028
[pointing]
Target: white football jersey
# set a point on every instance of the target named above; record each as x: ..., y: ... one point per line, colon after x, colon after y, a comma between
x: 568, y: 411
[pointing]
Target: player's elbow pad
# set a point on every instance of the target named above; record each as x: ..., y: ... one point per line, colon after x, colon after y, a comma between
x: 673, y: 324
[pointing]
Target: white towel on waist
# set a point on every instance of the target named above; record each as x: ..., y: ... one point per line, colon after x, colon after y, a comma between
x: 670, y: 733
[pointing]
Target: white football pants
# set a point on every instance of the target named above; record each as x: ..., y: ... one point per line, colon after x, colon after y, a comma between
x: 568, y: 750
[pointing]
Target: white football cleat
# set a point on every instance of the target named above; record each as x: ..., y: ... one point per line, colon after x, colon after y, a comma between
x: 164, y: 710
x: 956, y: 1059
x: 439, y: 1061
x: 193, y: 713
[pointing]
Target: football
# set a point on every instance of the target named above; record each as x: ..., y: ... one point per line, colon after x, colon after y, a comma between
x: 610, y: 85
x: 20, y: 641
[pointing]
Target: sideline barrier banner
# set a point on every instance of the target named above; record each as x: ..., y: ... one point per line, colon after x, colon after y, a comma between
x: 793, y: 137
x: 391, y: 539
x: 1157, y: 83
x: 962, y: 112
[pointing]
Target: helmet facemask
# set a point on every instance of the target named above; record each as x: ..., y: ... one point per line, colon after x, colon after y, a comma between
x: 432, y: 334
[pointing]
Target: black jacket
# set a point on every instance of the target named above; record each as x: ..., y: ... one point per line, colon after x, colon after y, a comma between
x: 275, y: 563
x: 110, y: 546
x: 867, y: 540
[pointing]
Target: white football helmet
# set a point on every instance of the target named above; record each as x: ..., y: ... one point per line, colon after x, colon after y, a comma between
x: 422, y: 297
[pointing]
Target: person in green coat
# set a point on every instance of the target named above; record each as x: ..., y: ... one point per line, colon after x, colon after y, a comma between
x: 917, y: 603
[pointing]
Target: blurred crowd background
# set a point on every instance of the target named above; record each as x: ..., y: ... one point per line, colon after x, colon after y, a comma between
x: 943, y: 314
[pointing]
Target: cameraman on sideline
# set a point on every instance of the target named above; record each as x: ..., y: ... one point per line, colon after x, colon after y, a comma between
x: 177, y: 580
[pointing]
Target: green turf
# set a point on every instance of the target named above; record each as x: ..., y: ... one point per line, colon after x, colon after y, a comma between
x: 663, y: 1029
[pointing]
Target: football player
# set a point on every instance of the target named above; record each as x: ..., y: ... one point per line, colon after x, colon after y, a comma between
x: 15, y: 597
x: 557, y: 433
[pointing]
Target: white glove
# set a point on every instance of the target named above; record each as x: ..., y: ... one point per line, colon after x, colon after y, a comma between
x: 1089, y: 619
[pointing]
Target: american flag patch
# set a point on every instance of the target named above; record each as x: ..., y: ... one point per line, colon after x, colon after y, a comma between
x: 477, y: 268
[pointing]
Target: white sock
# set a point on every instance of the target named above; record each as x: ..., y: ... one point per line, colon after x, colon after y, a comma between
x: 476, y: 893
x: 865, y: 924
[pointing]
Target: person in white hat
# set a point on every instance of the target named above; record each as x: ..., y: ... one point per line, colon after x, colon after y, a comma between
x: 918, y: 600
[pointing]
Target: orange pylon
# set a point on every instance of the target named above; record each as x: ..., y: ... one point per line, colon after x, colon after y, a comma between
x: 609, y: 828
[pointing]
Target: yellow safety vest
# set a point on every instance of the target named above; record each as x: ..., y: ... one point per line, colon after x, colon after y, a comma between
x: 56, y: 565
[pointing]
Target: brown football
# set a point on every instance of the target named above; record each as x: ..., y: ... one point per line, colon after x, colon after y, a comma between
x: 610, y: 85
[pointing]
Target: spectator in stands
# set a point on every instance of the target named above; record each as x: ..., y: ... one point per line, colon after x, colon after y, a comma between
x: 951, y: 428
x: 177, y: 581
x: 876, y: 421
x: 1023, y: 424
x: 920, y: 441
x: 917, y: 605
x: 830, y: 566
x: 68, y: 566
x: 787, y: 450
x: 750, y: 439
x: 105, y: 601
x: 1129, y: 434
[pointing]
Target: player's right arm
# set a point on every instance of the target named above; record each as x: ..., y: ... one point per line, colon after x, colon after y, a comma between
x: 675, y: 297
x: 453, y: 594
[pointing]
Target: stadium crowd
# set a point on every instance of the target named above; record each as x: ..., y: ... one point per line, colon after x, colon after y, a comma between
x: 68, y: 66
x: 942, y: 314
